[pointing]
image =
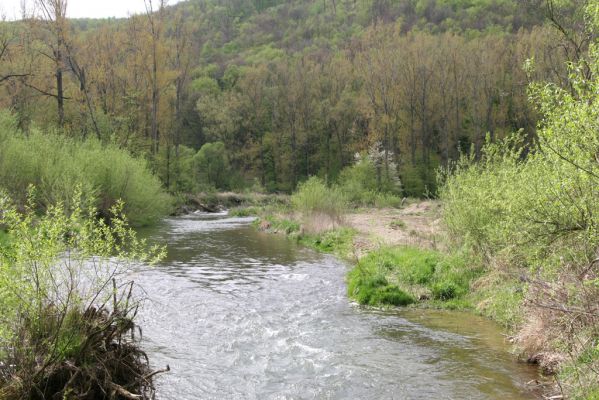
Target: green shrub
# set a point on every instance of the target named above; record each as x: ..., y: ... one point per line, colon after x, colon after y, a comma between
x: 314, y: 197
x: 536, y: 207
x: 57, y: 166
x: 68, y: 312
x: 362, y: 185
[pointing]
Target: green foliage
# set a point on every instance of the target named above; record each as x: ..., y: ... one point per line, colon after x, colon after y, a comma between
x: 417, y: 272
x: 212, y: 165
x: 338, y: 241
x: 315, y: 197
x: 4, y: 238
x: 244, y: 211
x: 534, y: 208
x: 420, y: 179
x: 46, y: 298
x: 375, y: 290
x: 275, y: 224
x: 57, y: 166
x: 365, y: 184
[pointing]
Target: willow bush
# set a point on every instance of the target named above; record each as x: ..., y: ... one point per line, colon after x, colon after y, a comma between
x: 57, y: 165
x: 67, y: 328
x: 313, y: 197
x: 533, y: 211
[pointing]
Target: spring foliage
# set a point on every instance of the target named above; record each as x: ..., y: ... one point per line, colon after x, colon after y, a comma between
x: 539, y: 212
x: 57, y: 166
x: 67, y: 325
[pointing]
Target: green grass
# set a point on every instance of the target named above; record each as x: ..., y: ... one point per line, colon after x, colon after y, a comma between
x: 245, y: 211
x: 417, y: 273
x: 4, y: 238
x: 338, y: 241
x: 398, y: 224
x: 279, y: 225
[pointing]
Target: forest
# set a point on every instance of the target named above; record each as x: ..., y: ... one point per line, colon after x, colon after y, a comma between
x: 308, y: 112
x: 280, y: 91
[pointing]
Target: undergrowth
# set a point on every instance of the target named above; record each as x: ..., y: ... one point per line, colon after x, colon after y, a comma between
x: 57, y: 166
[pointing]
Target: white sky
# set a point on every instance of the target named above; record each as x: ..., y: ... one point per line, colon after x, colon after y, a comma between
x: 84, y: 8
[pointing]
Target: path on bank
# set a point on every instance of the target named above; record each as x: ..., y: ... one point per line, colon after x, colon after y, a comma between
x: 416, y: 224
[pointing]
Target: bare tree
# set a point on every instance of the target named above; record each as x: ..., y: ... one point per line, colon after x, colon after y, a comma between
x: 155, y: 19
x: 53, y: 20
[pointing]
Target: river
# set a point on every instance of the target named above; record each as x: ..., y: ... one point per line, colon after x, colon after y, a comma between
x: 240, y: 314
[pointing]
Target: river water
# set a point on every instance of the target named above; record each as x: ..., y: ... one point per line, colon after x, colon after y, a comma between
x: 240, y: 314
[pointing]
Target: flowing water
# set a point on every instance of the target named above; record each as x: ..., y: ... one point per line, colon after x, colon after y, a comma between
x: 240, y: 314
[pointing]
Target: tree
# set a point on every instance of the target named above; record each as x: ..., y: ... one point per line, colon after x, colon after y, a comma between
x: 212, y: 165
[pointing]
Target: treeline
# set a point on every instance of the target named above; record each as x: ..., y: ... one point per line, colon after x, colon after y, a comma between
x: 290, y: 89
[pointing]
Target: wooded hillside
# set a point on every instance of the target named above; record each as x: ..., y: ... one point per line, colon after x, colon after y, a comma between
x: 290, y: 89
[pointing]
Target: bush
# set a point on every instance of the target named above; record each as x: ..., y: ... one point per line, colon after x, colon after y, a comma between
x: 67, y: 326
x: 313, y: 197
x: 536, y: 206
x: 57, y: 166
x: 363, y: 186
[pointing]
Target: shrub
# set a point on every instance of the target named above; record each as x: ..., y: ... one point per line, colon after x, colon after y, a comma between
x: 363, y: 185
x: 57, y: 166
x: 67, y: 325
x: 212, y: 165
x: 313, y: 197
x: 536, y: 206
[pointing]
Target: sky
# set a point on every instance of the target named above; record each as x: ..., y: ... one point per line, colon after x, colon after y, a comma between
x: 84, y: 8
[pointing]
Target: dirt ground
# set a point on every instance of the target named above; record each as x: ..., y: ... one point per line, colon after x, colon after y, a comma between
x: 416, y: 224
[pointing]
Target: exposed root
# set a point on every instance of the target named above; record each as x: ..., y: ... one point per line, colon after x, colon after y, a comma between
x: 87, y: 354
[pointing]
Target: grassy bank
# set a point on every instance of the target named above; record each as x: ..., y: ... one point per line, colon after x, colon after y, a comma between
x: 407, y: 257
x: 412, y: 275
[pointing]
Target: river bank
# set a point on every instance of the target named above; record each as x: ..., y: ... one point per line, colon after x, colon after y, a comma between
x: 401, y: 257
x: 240, y: 313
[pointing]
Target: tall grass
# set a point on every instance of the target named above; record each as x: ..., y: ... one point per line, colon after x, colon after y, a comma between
x: 56, y: 166
x: 314, y: 198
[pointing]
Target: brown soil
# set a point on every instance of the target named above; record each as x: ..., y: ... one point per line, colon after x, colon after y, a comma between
x: 416, y: 224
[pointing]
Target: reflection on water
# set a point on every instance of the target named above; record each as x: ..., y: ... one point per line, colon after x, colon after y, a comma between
x: 240, y: 314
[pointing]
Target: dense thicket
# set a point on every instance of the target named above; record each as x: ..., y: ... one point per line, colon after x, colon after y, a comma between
x: 535, y: 219
x: 290, y: 89
x: 58, y: 167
